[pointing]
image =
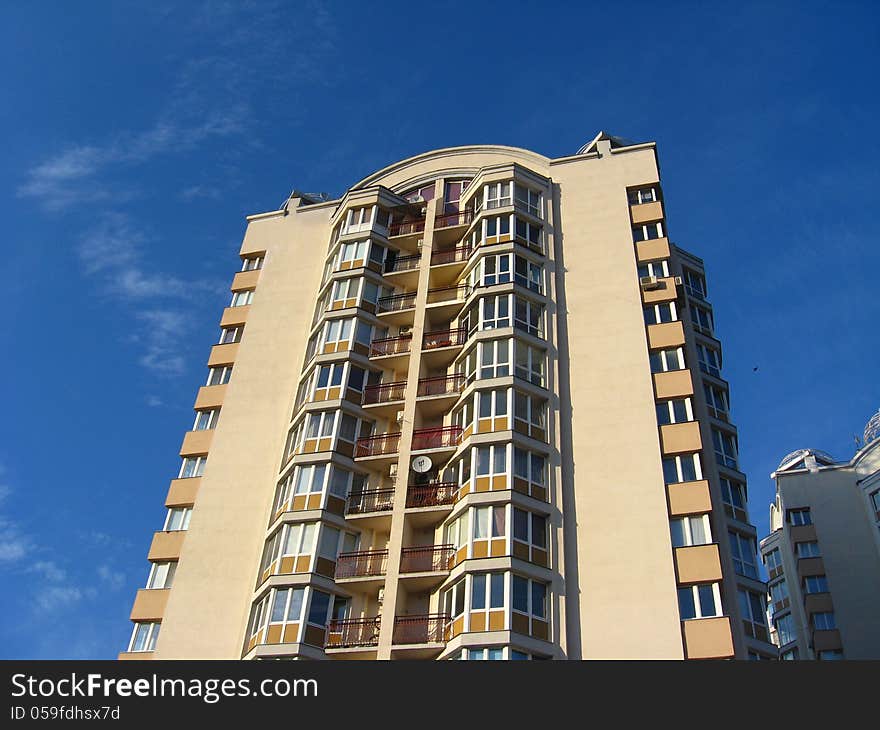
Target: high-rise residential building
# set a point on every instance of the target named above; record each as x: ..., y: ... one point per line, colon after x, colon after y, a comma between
x: 823, y: 553
x: 471, y: 409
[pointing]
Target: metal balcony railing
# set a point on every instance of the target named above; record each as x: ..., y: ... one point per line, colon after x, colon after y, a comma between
x: 403, y: 263
x: 353, y: 632
x: 435, y: 438
x: 428, y: 559
x: 432, y: 495
x: 444, y: 338
x: 459, y: 253
x: 459, y: 218
x: 361, y: 564
x: 390, y: 346
x: 385, y: 443
x: 384, y: 393
x: 406, y: 227
x: 448, y: 294
x: 442, y: 385
x: 396, y: 302
x: 370, y: 500
x: 426, y: 629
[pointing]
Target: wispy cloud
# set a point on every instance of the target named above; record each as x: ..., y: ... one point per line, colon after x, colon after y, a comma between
x: 14, y: 545
x: 162, y: 333
x: 210, y: 192
x: 154, y: 401
x: 114, y: 579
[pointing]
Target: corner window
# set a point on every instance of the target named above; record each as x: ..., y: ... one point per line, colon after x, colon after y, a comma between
x: 640, y: 196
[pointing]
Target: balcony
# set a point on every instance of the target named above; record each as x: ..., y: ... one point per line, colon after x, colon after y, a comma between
x: 457, y: 218
x: 446, y: 302
x: 404, y: 263
x: 393, y: 350
x: 385, y: 444
x: 397, y: 309
x: 441, y: 347
x: 404, y: 271
x: 417, y: 631
x: 384, y: 399
x: 351, y: 633
x: 371, y: 509
x: 433, y: 502
x: 407, y: 228
x: 447, y: 437
x: 362, y: 564
x: 439, y: 394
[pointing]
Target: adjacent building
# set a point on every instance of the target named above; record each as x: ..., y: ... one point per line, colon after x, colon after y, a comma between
x: 823, y: 554
x: 471, y: 409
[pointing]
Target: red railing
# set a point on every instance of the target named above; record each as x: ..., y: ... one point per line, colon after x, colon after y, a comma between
x: 406, y: 227
x: 370, y: 500
x: 444, y: 338
x: 431, y: 495
x: 390, y: 346
x: 385, y: 443
x: 443, y: 385
x: 383, y: 393
x: 435, y: 438
x: 404, y: 263
x: 396, y: 302
x: 361, y: 564
x: 448, y: 294
x: 426, y: 629
x: 459, y: 253
x: 353, y: 632
x: 428, y: 559
x: 461, y: 218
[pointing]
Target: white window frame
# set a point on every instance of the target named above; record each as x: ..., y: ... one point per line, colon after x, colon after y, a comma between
x: 654, y: 313
x: 212, y: 415
x: 536, y: 413
x: 152, y: 635
x: 234, y: 332
x: 225, y: 372
x: 746, y: 560
x: 665, y: 360
x: 252, y: 263
x: 161, y: 575
x: 527, y: 325
x: 698, y: 604
x: 678, y: 459
x: 528, y: 371
x: 242, y: 298
x: 660, y: 269
x: 690, y: 526
x: 643, y: 232
x: 802, y: 551
x: 499, y: 194
x: 529, y: 234
x: 641, y: 196
x: 529, y: 200
x: 795, y: 516
x: 669, y: 407
x: 533, y: 279
x: 198, y: 468
x: 183, y: 514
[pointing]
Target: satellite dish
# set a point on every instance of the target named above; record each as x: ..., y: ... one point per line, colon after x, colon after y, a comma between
x: 422, y: 464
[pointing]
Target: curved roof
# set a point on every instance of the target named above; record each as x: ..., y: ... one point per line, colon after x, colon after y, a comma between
x: 795, y: 460
x: 872, y: 429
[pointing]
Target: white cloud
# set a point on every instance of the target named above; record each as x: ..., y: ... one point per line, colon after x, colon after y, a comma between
x: 13, y: 544
x: 154, y: 401
x: 163, y: 331
x: 50, y: 571
x: 113, y: 578
x: 54, y: 598
x: 200, y: 191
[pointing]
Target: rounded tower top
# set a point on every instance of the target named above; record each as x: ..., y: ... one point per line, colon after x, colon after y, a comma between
x: 796, y: 459
x: 872, y: 429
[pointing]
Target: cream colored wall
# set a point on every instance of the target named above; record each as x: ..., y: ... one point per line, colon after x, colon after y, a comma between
x: 621, y: 590
x: 208, y: 606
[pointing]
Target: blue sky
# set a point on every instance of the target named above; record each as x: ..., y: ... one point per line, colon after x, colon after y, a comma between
x: 137, y: 136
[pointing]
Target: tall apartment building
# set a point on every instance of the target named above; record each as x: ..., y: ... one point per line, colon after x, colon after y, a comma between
x: 471, y: 409
x: 823, y: 553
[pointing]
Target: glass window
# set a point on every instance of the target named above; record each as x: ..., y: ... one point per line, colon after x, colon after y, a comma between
x: 816, y: 584
x: 319, y: 608
x: 800, y: 516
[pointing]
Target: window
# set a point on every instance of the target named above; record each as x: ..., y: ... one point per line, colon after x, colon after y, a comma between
x: 219, y: 376
x: 824, y: 621
x: 497, y: 195
x: 529, y: 597
x: 144, y: 636
x: 660, y: 269
x: 495, y: 311
x: 528, y: 199
x: 351, y: 255
x: 642, y: 195
x: 338, y: 331
x: 491, y: 460
x: 716, y: 400
x: 688, y: 531
x: 743, y: 550
x: 530, y: 528
x: 492, y: 653
x: 291, y: 541
x: 252, y: 263
x: 242, y: 298
x: 453, y: 599
x: 773, y: 560
x: 530, y: 467
x: 816, y: 584
x: 303, y: 481
x: 699, y: 601
x: 491, y: 270
x: 206, y: 420
x: 192, y: 466
x: 694, y: 283
x: 789, y: 656
x: 529, y: 234
x: 784, y: 629
x: 660, y: 313
x: 344, y: 290
x: 684, y: 468
x: 753, y: 608
x: 161, y: 575
x: 452, y: 194
x: 647, y: 232
x: 530, y: 415
x: 230, y: 335
x: 733, y: 494
x: 493, y: 357
x: 319, y: 608
x: 674, y: 411
x: 800, y: 516
x: 663, y: 361
x: 725, y: 448
x: 456, y: 532
x: 358, y: 219
x: 530, y: 363
x: 492, y: 403
x: 489, y: 522
x: 496, y: 229
x: 528, y: 274
x: 778, y: 593
x: 702, y: 319
x: 177, y: 519
x: 287, y: 605
x: 529, y: 316
x: 807, y: 549
x: 875, y: 503
x: 829, y: 655
x: 709, y: 359
x: 487, y: 591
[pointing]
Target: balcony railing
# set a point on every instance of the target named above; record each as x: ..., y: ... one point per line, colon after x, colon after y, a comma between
x: 427, y: 629
x: 428, y: 559
x: 459, y: 253
x: 362, y: 564
x: 431, y: 495
x: 435, y: 438
x: 370, y: 500
x: 390, y: 346
x: 404, y: 263
x: 448, y: 294
x: 384, y: 393
x: 397, y: 302
x: 406, y: 227
x: 460, y: 218
x: 353, y: 632
x: 385, y: 443
x: 443, y: 385
x: 444, y: 338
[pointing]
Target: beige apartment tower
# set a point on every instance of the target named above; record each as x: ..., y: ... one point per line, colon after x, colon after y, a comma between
x: 471, y: 409
x: 823, y: 553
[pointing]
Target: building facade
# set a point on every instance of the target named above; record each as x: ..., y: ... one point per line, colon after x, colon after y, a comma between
x: 471, y: 409
x: 823, y: 554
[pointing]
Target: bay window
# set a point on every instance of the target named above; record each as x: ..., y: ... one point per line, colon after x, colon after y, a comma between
x: 709, y: 359
x: 528, y: 274
x: 743, y: 551
x: 498, y: 195
x: 778, y: 593
x: 530, y: 363
x: 530, y: 468
x: 753, y: 610
x: 725, y: 448
x: 303, y: 482
x: 529, y: 234
x: 530, y: 415
x: 528, y: 199
x: 289, y: 549
x: 716, y: 401
x: 529, y: 316
x: 733, y: 494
